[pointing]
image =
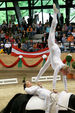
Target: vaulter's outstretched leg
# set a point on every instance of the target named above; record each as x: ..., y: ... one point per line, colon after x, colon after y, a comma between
x: 51, y: 38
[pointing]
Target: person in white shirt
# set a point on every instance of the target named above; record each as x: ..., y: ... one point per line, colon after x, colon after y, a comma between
x: 40, y: 92
x: 54, y: 56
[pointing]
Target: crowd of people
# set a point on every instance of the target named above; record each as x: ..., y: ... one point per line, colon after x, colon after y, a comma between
x: 21, y: 36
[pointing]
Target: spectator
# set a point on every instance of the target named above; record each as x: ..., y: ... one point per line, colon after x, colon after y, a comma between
x: 7, y: 47
x: 40, y: 27
x: 24, y: 23
x: 4, y: 26
x: 65, y: 27
x: 6, y: 35
x: 48, y: 29
x: 29, y: 32
x: 19, y: 44
x: 25, y: 46
x: 44, y: 40
x: 50, y: 19
x: 64, y: 39
x: 73, y: 32
x: 21, y: 28
x: 2, y: 36
x: 10, y: 25
x: 14, y: 28
x: 39, y: 46
x: 70, y: 27
x: 70, y: 38
x: 69, y: 32
x: 11, y: 39
x: 30, y: 47
x: 61, y: 20
x: 1, y: 47
x: 14, y: 43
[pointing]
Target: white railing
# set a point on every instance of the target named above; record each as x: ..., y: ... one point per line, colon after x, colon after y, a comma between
x: 46, y: 78
x: 8, y: 81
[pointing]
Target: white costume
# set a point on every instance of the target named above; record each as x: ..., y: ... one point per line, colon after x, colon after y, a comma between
x: 54, y: 56
x: 42, y: 93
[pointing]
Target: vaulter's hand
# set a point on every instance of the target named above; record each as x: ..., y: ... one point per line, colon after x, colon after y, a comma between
x: 55, y: 91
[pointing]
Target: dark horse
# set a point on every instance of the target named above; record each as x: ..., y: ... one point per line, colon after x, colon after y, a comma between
x: 18, y: 103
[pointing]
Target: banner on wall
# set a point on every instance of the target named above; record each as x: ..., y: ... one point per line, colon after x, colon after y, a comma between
x: 16, y: 52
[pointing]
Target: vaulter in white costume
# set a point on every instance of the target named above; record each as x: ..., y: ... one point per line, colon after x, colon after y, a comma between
x: 55, y: 54
x: 40, y: 92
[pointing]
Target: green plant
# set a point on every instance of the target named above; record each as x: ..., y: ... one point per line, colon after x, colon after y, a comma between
x: 73, y: 65
x: 68, y: 59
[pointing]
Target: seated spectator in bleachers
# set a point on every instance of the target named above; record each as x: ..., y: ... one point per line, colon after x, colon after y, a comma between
x: 19, y: 34
x: 69, y: 32
x: 47, y: 29
x: 64, y: 39
x: 34, y: 25
x: 58, y: 36
x: 30, y: 46
x: 70, y: 38
x: 29, y: 32
x: 21, y: 28
x: 73, y: 32
x: 34, y: 31
x: 19, y: 44
x: 11, y: 39
x: 39, y: 46
x: 58, y: 28
x: 40, y: 27
x: 14, y: 28
x: 2, y: 35
x: 70, y: 27
x: 10, y: 25
x: 6, y: 36
x: 63, y: 32
x: 44, y: 38
x: 47, y: 22
x: 24, y: 23
x: 65, y: 27
x: 35, y: 47
x: 4, y: 26
x: 25, y: 46
x: 1, y: 47
x: 7, y: 47
x: 15, y: 43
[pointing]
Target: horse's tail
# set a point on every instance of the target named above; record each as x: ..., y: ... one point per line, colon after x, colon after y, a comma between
x: 7, y: 109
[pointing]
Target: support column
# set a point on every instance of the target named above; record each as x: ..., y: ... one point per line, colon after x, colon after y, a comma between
x: 68, y: 4
x: 29, y: 5
x: 42, y: 11
x: 17, y: 11
x: 6, y: 13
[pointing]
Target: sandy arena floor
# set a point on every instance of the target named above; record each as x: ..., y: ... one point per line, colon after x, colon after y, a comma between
x: 8, y: 91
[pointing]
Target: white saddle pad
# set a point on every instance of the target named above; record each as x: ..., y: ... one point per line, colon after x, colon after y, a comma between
x: 35, y: 103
